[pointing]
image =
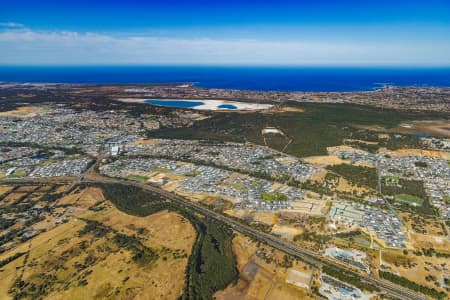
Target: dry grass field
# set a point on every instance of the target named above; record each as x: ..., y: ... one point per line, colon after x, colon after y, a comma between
x: 71, y: 262
x: 262, y: 274
x: 61, y: 188
x: 26, y: 188
x: 418, y: 152
x: 325, y: 160
x: 146, y: 142
x: 5, y: 189
x: 423, y: 270
x: 345, y: 186
x: 10, y: 198
x: 24, y: 112
x: 422, y: 224
x: 84, y: 198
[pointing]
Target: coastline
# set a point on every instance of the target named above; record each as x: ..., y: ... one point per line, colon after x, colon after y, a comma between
x: 426, y: 99
x: 268, y: 79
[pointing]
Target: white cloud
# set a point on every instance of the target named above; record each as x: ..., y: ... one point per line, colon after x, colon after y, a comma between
x: 23, y: 46
x: 11, y: 25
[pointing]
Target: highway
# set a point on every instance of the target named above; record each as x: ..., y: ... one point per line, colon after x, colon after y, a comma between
x: 306, y: 255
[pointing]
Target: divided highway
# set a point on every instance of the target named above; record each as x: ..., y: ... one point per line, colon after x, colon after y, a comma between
x: 306, y: 255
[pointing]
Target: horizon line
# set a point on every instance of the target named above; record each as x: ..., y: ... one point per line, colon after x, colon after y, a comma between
x: 381, y: 66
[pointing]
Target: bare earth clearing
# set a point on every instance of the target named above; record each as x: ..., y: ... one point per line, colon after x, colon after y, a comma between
x: 262, y: 274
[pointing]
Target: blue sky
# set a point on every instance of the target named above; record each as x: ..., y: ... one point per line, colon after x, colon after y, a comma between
x: 381, y: 33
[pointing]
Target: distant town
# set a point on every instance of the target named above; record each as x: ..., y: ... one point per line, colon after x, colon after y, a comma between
x: 392, y: 97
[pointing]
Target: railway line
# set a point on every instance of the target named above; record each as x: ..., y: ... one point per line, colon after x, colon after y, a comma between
x: 306, y: 255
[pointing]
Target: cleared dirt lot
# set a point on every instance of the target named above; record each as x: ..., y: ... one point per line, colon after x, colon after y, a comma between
x: 262, y: 275
x: 419, y: 152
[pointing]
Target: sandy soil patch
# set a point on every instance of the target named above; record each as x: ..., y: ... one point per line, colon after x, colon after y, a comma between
x: 363, y: 164
x: 173, y: 176
x: 10, y: 198
x: 259, y: 279
x: 35, y: 197
x: 418, y: 152
x: 325, y: 160
x: 171, y: 186
x: 239, y: 213
x: 284, y: 291
x: 260, y: 286
x: 61, y: 189
x: 289, y: 109
x: 147, y: 142
x: 197, y: 197
x: 84, y: 199
x: 360, y: 141
x: 319, y: 176
x: 218, y: 203
x: 24, y: 112
x: 45, y: 188
x: 342, y: 148
x: 345, y: 186
x: 212, y: 104
x: 5, y: 188
x: 264, y: 217
x: 27, y: 188
x: 422, y: 224
x: 439, y: 243
x: 99, y: 135
x: 416, y: 268
x: 286, y: 232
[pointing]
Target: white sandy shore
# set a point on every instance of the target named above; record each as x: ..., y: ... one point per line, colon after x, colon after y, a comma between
x: 210, y: 104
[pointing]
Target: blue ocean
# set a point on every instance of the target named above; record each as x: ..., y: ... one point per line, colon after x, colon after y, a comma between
x: 330, y: 79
